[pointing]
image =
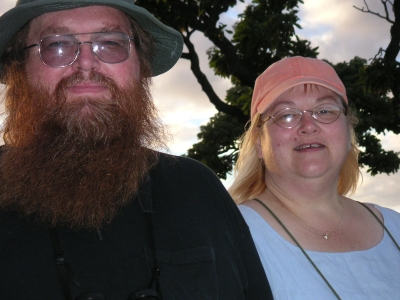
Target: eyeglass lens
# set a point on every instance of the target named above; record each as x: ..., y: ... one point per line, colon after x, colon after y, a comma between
x: 290, y: 117
x: 62, y: 50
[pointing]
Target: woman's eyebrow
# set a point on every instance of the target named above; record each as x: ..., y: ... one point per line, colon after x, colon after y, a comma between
x: 286, y: 103
x: 329, y: 97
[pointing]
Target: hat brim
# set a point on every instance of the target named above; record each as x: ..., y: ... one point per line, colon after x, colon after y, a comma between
x: 279, y: 90
x: 168, y: 41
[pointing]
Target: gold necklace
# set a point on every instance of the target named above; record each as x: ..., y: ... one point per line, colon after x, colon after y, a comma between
x: 325, y: 234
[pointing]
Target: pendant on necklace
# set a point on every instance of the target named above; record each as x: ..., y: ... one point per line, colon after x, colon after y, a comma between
x: 326, y: 235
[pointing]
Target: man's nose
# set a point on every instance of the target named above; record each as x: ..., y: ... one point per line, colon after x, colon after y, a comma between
x: 86, y: 60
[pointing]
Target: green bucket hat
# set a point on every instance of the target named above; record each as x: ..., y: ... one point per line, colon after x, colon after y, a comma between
x: 168, y: 41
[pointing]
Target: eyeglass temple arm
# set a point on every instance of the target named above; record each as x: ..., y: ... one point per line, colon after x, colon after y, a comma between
x: 30, y: 46
x: 262, y: 122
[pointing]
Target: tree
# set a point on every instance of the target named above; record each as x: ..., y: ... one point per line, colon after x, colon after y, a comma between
x: 380, y: 108
x: 375, y: 112
x: 264, y: 34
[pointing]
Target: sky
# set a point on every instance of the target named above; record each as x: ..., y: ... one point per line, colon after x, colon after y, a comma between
x: 339, y: 30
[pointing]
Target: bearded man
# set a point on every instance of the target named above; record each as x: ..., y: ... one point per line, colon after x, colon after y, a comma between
x: 89, y: 208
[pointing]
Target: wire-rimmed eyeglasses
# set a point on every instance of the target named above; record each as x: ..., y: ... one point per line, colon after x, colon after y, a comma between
x: 291, y: 117
x: 61, y: 50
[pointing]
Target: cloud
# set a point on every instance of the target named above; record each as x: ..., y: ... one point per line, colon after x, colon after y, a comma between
x: 341, y: 31
x: 6, y: 5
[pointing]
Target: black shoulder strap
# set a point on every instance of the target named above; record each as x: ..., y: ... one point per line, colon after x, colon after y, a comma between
x: 145, y: 198
x: 65, y: 272
x: 382, y: 224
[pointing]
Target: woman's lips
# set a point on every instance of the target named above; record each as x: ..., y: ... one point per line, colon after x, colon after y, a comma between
x: 309, y: 146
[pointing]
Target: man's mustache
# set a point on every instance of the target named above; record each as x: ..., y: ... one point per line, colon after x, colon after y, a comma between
x: 79, y: 77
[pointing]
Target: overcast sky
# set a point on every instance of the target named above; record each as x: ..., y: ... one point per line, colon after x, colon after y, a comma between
x: 340, y: 31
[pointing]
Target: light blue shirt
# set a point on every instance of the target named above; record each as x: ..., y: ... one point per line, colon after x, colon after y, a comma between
x: 368, y: 274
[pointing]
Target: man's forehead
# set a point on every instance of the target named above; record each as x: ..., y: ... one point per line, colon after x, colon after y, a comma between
x: 70, y: 21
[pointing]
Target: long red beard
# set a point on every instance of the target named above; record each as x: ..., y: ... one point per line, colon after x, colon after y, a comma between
x: 76, y: 163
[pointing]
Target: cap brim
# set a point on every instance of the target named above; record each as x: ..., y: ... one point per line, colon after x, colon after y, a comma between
x: 280, y: 89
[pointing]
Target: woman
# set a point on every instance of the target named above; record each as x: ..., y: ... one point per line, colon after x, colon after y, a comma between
x: 297, y: 162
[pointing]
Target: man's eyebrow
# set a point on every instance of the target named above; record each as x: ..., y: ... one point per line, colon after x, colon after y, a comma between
x: 53, y: 30
x: 110, y: 28
x: 65, y: 30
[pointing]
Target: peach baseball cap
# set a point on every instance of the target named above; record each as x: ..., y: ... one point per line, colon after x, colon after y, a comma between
x: 290, y: 72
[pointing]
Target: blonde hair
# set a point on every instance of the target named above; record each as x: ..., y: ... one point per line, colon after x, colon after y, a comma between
x: 250, y: 169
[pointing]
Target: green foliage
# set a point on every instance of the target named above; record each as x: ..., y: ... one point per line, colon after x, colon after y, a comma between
x: 376, y: 113
x: 186, y: 15
x: 217, y: 147
x: 375, y: 110
x: 380, y: 76
x: 240, y: 96
x: 377, y: 159
x: 264, y: 35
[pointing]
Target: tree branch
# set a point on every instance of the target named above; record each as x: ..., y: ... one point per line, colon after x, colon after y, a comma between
x: 394, y: 45
x: 385, y: 5
x: 206, y: 86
